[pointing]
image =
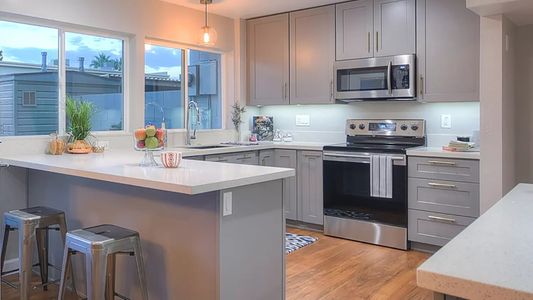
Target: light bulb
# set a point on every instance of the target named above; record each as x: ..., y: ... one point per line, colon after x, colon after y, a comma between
x: 208, y: 36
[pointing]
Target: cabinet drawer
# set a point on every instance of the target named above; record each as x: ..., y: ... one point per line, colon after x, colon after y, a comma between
x: 435, y: 228
x: 245, y: 158
x: 449, y: 197
x: 444, y: 169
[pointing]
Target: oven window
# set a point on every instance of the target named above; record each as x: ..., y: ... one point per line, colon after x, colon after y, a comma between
x: 347, y: 194
x: 362, y: 79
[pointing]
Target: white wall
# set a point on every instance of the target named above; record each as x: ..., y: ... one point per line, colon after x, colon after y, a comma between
x: 497, y: 110
x: 328, y: 121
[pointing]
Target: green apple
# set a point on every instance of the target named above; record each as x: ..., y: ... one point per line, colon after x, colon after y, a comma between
x: 151, y: 142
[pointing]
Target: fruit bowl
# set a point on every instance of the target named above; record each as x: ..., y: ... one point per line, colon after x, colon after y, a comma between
x: 149, y: 140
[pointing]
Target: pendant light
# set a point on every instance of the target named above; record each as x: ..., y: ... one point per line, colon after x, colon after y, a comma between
x: 208, y: 35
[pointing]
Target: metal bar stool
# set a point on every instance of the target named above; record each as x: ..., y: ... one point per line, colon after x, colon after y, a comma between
x: 101, y: 244
x: 31, y: 223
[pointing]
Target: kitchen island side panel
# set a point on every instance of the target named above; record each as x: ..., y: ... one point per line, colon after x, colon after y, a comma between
x: 179, y: 232
x: 252, y: 243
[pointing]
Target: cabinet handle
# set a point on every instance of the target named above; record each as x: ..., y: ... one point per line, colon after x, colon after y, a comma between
x: 443, y: 185
x: 368, y: 42
x: 440, y: 162
x: 377, y: 41
x: 421, y: 86
x: 441, y: 219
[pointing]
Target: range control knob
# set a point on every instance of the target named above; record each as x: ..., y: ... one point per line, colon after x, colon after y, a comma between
x: 403, y: 127
x: 352, y: 126
x: 362, y: 126
x: 414, y: 127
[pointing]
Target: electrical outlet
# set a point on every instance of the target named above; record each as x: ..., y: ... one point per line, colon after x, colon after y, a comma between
x: 445, y: 121
x: 303, y: 120
x: 227, y: 204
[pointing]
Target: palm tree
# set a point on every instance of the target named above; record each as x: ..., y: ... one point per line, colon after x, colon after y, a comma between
x: 117, y: 64
x: 100, y: 61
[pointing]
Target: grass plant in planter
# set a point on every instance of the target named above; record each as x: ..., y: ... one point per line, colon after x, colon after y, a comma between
x: 79, y: 115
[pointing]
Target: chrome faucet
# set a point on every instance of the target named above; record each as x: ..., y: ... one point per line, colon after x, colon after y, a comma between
x: 189, y: 137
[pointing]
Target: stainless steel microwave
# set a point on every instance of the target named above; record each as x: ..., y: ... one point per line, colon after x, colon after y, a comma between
x: 379, y: 78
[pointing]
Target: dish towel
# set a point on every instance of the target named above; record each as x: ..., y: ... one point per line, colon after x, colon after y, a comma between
x: 381, y: 176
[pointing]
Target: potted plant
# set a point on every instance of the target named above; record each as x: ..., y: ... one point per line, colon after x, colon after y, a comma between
x: 236, y: 117
x: 79, y: 114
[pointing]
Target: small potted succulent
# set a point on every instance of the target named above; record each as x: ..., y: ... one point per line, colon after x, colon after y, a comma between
x: 79, y: 115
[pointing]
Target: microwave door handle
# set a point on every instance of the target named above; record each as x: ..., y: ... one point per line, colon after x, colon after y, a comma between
x: 389, y: 77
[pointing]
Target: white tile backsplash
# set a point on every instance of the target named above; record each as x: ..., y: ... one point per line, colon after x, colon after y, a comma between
x: 327, y: 121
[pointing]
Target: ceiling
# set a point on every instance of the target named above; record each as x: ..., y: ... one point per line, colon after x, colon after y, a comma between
x: 518, y: 11
x: 252, y: 8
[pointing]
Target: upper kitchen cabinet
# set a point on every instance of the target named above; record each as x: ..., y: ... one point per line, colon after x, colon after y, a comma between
x: 312, y: 54
x: 268, y: 60
x: 394, y: 25
x: 448, y: 51
x: 355, y: 38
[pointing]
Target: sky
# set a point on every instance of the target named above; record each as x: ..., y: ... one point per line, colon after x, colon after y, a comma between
x: 24, y: 43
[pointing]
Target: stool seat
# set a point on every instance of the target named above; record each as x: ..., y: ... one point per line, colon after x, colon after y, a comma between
x: 33, y: 214
x: 100, y: 245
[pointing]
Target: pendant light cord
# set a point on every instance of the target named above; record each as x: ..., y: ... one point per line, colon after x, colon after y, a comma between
x: 205, y: 13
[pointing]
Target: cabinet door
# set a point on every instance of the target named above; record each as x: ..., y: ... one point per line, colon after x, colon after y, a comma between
x: 268, y: 60
x: 448, y: 51
x: 394, y: 25
x: 310, y: 197
x: 266, y: 158
x: 312, y: 54
x: 288, y: 159
x: 354, y: 30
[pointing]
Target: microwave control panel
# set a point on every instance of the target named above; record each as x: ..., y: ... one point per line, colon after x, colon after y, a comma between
x: 401, y: 127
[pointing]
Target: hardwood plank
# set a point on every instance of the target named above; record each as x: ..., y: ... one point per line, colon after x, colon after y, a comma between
x: 335, y: 268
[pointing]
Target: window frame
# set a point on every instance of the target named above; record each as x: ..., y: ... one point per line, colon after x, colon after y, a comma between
x: 62, y: 28
x: 185, y: 74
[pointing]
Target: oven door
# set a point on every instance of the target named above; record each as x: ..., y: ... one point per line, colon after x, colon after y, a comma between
x: 347, y: 189
x: 390, y: 77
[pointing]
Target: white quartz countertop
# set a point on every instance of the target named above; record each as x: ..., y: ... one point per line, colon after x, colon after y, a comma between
x: 309, y: 146
x: 438, y: 152
x: 492, y: 258
x: 192, y: 177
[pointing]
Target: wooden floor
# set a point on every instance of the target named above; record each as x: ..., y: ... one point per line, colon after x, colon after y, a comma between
x: 333, y: 269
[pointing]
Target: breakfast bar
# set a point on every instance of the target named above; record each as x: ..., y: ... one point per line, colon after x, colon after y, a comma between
x: 206, y: 228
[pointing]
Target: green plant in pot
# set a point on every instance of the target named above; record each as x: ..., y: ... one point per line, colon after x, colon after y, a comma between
x: 79, y: 115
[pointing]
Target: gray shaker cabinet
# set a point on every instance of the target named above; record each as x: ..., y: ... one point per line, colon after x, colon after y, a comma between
x: 354, y: 30
x: 394, y: 26
x: 288, y: 159
x: 448, y: 41
x: 310, y: 187
x: 267, y: 158
x: 268, y: 60
x: 312, y: 54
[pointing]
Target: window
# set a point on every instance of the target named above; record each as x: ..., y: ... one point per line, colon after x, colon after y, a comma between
x: 29, y: 78
x: 28, y: 99
x: 94, y: 73
x: 29, y: 90
x: 204, y: 87
x: 163, y: 90
x: 164, y: 84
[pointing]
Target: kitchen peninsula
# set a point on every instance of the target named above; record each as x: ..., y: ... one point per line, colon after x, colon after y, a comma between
x: 209, y: 230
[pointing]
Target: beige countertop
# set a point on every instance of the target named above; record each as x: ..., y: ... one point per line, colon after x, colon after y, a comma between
x: 492, y: 258
x: 438, y: 152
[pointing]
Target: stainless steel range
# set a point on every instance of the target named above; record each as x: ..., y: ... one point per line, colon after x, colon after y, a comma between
x: 365, y: 181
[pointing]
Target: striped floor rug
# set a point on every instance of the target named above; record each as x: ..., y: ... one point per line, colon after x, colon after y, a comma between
x: 294, y: 241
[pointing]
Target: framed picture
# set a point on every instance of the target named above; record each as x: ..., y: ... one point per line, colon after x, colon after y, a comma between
x: 263, y: 126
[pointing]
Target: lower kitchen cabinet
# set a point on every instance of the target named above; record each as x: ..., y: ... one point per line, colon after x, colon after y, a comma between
x: 244, y: 158
x: 310, y: 187
x: 288, y: 159
x: 266, y: 158
x: 435, y: 228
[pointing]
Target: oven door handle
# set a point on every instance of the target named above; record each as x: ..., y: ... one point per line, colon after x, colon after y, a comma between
x: 357, y: 156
